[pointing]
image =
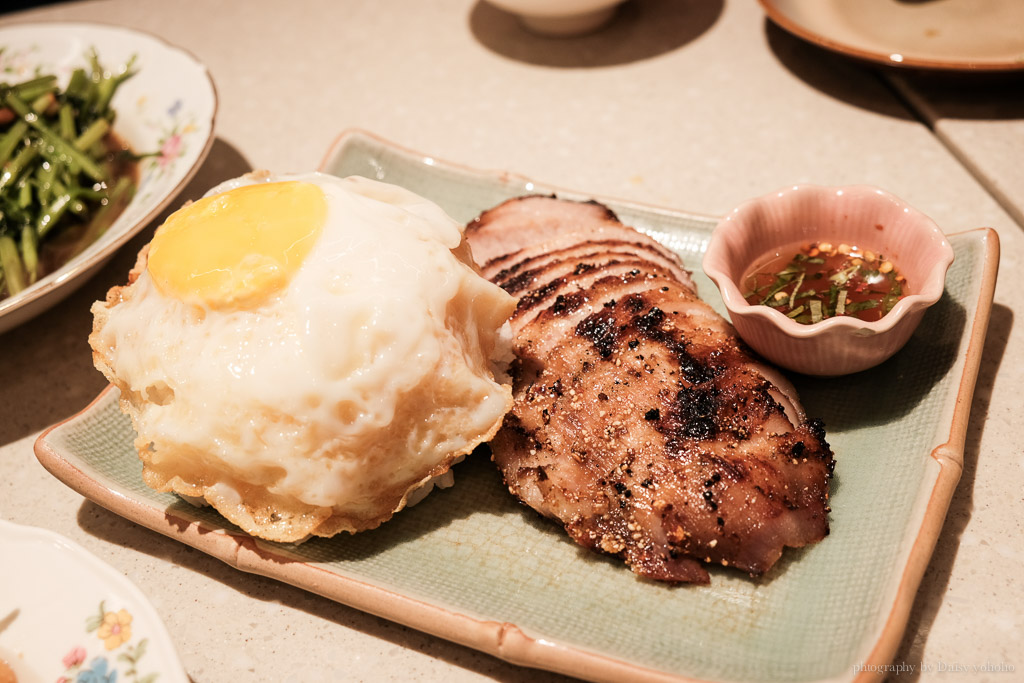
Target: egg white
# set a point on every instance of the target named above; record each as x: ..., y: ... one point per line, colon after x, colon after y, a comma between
x: 334, y: 398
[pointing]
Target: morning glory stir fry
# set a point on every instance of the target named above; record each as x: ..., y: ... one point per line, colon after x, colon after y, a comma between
x: 64, y: 175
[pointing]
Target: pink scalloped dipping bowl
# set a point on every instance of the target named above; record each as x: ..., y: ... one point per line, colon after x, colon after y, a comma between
x: 858, y: 215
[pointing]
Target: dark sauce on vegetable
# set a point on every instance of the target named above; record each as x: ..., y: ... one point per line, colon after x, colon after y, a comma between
x: 814, y: 282
x: 118, y: 162
x: 64, y: 175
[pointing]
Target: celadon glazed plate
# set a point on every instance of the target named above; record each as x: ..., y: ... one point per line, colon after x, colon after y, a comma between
x: 67, y: 616
x: 472, y: 565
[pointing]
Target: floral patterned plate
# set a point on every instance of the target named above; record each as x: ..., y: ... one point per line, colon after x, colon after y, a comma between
x: 67, y: 616
x: 168, y: 108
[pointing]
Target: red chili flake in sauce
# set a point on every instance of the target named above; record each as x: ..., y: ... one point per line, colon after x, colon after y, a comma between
x: 823, y: 280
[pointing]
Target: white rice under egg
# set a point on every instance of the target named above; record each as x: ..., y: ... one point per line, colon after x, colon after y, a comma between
x: 325, y: 407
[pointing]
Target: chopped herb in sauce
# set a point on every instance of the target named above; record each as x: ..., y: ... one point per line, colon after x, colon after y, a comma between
x: 822, y: 281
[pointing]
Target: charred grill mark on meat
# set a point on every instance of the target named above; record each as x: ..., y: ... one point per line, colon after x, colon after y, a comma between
x: 641, y: 423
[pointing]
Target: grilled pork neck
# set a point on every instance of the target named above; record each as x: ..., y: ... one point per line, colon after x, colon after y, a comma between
x: 640, y: 421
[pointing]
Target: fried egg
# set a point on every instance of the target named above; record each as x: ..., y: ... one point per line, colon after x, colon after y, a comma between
x: 305, y: 352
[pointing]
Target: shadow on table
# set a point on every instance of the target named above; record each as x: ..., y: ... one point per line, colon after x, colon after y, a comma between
x: 46, y: 370
x: 641, y: 29
x: 12, y: 6
x: 837, y: 76
x: 936, y: 578
x: 967, y: 97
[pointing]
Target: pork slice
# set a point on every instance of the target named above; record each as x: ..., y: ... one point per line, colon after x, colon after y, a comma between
x: 574, y: 235
x: 537, y: 336
x: 523, y: 265
x: 641, y: 422
x: 653, y: 436
x: 570, y: 278
x: 523, y: 221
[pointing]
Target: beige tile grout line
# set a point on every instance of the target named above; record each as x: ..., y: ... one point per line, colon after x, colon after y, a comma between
x: 919, y: 107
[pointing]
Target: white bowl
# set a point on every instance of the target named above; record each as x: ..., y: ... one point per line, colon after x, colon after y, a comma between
x: 169, y: 106
x: 858, y: 215
x: 560, y: 18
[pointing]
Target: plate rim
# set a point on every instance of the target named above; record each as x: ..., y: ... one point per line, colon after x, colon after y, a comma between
x: 108, y: 576
x: 503, y: 640
x: 350, y: 135
x: 71, y: 274
x: 950, y: 457
x: 775, y: 14
x: 506, y: 640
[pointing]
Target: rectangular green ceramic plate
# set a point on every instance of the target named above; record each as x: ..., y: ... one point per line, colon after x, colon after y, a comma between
x: 472, y: 565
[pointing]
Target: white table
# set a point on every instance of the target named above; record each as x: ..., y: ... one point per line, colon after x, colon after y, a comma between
x: 691, y: 105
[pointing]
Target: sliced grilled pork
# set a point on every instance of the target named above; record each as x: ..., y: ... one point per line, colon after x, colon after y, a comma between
x: 506, y: 239
x: 529, y: 220
x: 641, y: 422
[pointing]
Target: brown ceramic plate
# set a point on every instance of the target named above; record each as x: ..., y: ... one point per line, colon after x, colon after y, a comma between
x: 951, y: 35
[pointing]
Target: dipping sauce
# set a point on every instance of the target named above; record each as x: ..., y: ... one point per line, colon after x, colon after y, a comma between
x: 820, y: 280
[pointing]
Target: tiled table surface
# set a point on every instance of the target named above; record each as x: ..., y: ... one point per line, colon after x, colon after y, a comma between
x: 981, y: 121
x: 690, y: 105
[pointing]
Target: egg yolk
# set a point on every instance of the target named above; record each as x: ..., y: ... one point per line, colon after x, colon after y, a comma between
x: 235, y: 249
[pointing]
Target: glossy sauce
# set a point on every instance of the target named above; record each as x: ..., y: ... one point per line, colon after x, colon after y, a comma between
x: 813, y: 282
x: 72, y: 239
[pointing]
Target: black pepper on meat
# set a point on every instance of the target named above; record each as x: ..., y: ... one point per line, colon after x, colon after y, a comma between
x: 623, y: 369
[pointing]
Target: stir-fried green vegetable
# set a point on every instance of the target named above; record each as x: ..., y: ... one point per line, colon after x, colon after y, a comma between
x: 62, y: 178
